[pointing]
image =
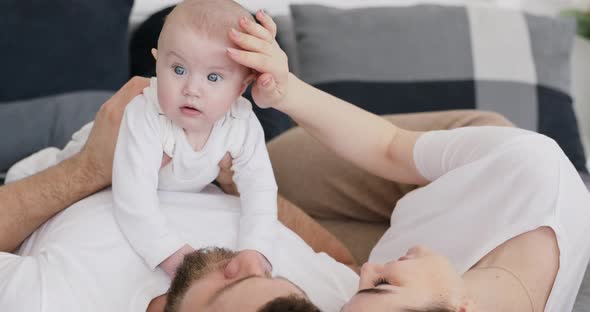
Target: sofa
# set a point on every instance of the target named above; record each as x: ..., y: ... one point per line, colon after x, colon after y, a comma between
x: 411, y: 59
x: 327, y: 50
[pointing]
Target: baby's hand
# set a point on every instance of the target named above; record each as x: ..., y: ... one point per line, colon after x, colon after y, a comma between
x: 261, y: 52
x: 225, y: 177
x: 250, y: 262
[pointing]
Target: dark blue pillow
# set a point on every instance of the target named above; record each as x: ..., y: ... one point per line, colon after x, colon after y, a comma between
x: 51, y: 47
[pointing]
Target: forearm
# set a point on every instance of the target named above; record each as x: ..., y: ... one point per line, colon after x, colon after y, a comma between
x: 365, y: 139
x: 23, y: 210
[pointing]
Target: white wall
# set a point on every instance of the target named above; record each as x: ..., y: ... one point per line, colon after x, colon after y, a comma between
x: 580, y: 90
x: 143, y: 8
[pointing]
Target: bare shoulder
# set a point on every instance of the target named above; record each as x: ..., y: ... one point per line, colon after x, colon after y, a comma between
x: 533, y: 257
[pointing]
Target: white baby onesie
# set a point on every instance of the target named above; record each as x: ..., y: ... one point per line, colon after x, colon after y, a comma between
x: 146, y: 134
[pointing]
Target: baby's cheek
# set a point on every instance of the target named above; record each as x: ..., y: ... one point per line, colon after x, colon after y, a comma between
x: 166, y: 101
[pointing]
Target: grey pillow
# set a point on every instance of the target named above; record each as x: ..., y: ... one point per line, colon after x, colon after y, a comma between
x: 31, y: 125
x: 392, y: 60
x: 286, y: 40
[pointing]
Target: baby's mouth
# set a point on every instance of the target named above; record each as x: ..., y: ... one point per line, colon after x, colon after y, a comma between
x: 189, y: 110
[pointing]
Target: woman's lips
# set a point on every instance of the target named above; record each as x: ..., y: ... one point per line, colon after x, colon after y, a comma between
x: 190, y: 111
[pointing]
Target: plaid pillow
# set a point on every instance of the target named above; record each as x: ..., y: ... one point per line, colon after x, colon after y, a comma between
x: 427, y: 57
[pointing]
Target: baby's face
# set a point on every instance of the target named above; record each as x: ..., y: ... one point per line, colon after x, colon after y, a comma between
x: 197, y: 81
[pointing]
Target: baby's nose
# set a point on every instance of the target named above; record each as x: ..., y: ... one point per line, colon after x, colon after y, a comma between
x: 193, y: 88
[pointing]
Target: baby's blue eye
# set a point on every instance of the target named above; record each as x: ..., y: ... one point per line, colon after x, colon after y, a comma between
x: 213, y: 77
x: 179, y: 70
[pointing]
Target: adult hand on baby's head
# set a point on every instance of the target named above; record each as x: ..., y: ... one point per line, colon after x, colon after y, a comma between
x: 261, y: 52
x: 99, y: 150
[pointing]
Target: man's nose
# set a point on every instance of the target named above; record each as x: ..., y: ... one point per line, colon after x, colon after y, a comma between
x: 244, y: 266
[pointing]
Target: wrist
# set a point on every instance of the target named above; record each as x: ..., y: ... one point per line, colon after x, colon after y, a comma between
x: 290, y: 92
x: 82, y: 175
x: 88, y: 169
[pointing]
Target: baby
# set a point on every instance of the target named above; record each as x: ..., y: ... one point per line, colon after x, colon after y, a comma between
x: 173, y: 136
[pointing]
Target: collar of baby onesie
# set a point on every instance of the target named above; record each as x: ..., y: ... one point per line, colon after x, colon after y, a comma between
x: 151, y: 94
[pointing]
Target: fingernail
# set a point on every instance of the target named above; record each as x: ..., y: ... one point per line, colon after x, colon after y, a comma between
x: 267, y: 266
x: 245, y: 20
x: 233, y: 51
x: 262, y: 13
x: 234, y: 33
x: 231, y: 269
x: 266, y: 82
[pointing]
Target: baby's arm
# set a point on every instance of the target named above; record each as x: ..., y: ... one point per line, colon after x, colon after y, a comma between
x: 256, y: 184
x: 138, y: 157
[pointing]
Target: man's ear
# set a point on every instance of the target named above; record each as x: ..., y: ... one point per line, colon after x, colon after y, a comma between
x: 155, y: 53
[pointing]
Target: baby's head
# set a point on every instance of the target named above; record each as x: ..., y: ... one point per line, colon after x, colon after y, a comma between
x: 197, y: 81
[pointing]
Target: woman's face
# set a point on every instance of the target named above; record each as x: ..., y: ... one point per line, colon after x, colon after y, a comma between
x: 420, y: 279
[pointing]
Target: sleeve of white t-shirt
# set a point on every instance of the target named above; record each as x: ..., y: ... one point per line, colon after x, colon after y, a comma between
x: 137, y: 161
x: 439, y: 152
x: 256, y: 183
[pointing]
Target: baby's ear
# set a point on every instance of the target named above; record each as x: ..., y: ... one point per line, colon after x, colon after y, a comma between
x: 251, y: 77
x: 155, y: 53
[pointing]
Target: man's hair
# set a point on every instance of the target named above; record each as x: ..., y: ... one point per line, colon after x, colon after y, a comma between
x: 291, y: 303
x: 193, y: 267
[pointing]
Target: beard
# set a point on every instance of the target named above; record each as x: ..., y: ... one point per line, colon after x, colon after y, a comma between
x: 194, y: 266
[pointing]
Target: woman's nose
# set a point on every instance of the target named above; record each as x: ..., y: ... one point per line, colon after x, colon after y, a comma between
x: 370, y: 272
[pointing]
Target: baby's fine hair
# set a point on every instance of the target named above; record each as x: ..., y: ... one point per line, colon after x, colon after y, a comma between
x: 211, y: 18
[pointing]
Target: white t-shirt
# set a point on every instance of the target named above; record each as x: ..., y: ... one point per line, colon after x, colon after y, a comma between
x: 492, y: 184
x: 146, y: 133
x: 80, y: 261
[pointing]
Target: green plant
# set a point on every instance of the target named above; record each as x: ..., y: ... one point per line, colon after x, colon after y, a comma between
x: 583, y: 21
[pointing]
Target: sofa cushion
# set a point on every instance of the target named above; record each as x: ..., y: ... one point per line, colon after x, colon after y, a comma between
x: 145, y: 37
x: 426, y: 58
x: 31, y: 125
x: 52, y: 47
